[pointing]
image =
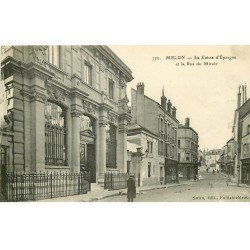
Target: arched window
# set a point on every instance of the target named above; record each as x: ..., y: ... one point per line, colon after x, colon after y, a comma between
x: 55, y: 135
x: 111, y: 146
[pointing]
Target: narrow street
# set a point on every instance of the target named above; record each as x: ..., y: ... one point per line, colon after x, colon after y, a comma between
x: 212, y: 188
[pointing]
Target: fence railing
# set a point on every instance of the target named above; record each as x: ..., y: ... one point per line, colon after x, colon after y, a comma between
x: 114, y: 181
x: 38, y: 186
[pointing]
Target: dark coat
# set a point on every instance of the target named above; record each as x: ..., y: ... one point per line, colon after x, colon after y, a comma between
x: 131, y: 192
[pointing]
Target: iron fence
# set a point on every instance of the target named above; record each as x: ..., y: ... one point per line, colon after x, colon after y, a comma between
x: 38, y: 186
x: 114, y: 181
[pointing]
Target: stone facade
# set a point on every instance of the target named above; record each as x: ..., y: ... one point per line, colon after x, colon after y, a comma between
x: 245, y: 142
x: 188, y: 143
x: 143, y: 148
x: 212, y: 159
x: 159, y: 120
x: 67, y: 87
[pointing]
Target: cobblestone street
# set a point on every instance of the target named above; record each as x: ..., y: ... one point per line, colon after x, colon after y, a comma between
x: 212, y: 188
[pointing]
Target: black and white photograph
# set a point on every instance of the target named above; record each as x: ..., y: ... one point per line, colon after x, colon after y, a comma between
x: 124, y: 124
x: 116, y: 123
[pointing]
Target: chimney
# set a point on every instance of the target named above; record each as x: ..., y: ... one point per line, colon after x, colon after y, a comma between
x: 245, y: 92
x: 169, y: 106
x: 174, y: 111
x: 239, y: 98
x: 140, y: 88
x: 187, y: 122
x: 163, y: 99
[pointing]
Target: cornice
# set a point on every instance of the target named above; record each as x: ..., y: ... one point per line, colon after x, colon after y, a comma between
x: 75, y: 92
x: 112, y: 60
x: 36, y: 69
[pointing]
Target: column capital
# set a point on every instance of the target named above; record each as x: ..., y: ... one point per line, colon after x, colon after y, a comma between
x: 37, y: 96
x: 103, y: 123
x: 76, y: 113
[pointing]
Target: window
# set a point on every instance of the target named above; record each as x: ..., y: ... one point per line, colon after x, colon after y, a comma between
x: 172, y: 151
x: 160, y: 144
x: 161, y: 125
x: 151, y: 149
x: 87, y: 73
x: 53, y: 55
x: 248, y: 129
x: 167, y: 150
x: 149, y: 146
x: 111, y: 146
x: 149, y: 169
x: 179, y: 143
x: 187, y: 157
x: 55, y: 135
x: 111, y: 89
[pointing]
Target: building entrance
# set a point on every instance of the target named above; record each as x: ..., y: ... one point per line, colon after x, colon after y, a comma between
x: 87, y: 146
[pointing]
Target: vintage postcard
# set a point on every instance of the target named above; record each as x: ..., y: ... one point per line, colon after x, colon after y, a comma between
x: 125, y: 123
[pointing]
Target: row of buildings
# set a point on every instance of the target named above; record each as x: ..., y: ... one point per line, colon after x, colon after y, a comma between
x: 160, y: 148
x: 65, y: 108
x: 235, y: 155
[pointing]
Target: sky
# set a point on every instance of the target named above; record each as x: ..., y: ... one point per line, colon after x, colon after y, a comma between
x: 205, y: 94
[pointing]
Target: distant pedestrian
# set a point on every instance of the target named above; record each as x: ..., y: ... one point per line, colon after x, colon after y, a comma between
x: 195, y: 177
x: 200, y: 177
x: 213, y: 171
x: 207, y: 170
x: 131, y: 189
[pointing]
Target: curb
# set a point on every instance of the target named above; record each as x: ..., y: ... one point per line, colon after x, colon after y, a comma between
x: 120, y: 193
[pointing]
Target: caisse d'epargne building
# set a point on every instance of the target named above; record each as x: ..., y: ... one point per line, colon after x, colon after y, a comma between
x: 68, y: 107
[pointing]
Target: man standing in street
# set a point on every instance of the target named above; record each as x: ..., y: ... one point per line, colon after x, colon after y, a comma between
x: 131, y: 191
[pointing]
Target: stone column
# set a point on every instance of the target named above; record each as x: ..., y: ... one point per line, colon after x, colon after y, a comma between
x: 103, y: 122
x: 97, y: 154
x: 27, y: 129
x: 37, y: 131
x: 122, y: 145
x: 75, y: 140
x: 102, y: 148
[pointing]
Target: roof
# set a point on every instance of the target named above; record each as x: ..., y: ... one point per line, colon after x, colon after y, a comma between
x: 185, y: 127
x: 138, y: 128
x: 159, y: 106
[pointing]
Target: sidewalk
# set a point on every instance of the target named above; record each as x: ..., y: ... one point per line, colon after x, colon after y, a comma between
x: 98, y: 193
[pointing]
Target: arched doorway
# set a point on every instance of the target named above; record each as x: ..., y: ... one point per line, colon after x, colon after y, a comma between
x: 87, y: 146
